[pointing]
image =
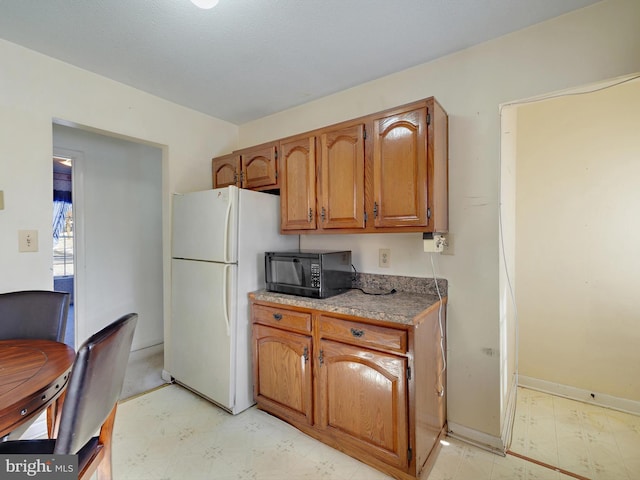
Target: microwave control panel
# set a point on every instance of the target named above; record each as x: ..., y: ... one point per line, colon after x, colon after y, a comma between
x: 315, y: 275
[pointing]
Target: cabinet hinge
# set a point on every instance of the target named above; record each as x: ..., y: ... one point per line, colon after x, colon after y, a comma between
x: 366, y: 217
x: 428, y: 213
x: 364, y: 133
x: 276, y: 175
x: 375, y: 209
x: 408, y: 373
x: 305, y: 354
x: 276, y: 153
x: 428, y: 119
x: 409, y: 454
x: 321, y: 357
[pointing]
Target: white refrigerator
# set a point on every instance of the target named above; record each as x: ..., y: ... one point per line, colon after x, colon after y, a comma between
x: 218, y: 245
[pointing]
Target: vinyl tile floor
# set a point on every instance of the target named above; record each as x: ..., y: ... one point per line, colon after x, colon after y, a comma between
x: 594, y: 442
x: 170, y: 433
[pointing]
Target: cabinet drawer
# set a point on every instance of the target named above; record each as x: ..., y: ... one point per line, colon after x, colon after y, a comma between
x: 280, y: 317
x: 357, y: 333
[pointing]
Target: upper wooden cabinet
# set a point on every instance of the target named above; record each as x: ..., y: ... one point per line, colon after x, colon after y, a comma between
x: 341, y: 182
x: 298, y: 184
x: 225, y: 170
x: 400, y: 183
x: 387, y: 172
x: 254, y: 168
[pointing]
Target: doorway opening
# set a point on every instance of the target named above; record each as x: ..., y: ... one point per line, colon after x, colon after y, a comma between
x: 63, y: 237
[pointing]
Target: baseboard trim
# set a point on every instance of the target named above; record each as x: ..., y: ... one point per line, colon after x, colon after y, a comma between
x: 479, y: 439
x: 581, y: 395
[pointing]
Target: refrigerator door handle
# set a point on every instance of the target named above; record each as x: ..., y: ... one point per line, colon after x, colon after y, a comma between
x: 226, y: 230
x: 225, y: 301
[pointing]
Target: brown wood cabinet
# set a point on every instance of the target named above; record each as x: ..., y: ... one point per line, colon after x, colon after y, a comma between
x: 373, y: 389
x: 341, y: 182
x: 386, y: 172
x: 400, y: 169
x: 298, y: 184
x: 254, y: 168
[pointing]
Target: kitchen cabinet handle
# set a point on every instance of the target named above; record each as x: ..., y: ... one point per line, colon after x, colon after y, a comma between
x: 357, y: 333
x: 277, y: 316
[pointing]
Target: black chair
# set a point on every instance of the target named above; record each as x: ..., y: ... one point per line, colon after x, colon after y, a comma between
x: 38, y: 314
x: 34, y: 314
x: 90, y: 402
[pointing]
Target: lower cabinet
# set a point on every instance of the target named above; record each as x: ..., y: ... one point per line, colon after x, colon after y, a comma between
x: 363, y: 388
x: 283, y: 378
x: 362, y: 400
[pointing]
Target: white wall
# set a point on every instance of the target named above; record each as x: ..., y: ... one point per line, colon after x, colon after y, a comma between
x: 577, y: 236
x: 118, y: 233
x: 34, y: 90
x: 598, y: 42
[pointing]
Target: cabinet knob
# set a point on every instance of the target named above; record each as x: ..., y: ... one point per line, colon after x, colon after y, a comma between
x: 357, y: 333
x: 277, y: 316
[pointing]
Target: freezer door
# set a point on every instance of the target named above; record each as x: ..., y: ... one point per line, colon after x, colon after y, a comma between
x: 205, y: 225
x: 203, y: 328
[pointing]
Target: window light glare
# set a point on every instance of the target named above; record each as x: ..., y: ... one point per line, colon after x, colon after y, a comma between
x: 205, y: 4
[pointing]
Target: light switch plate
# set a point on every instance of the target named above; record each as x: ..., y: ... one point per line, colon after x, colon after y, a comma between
x: 1, y: 199
x: 27, y: 240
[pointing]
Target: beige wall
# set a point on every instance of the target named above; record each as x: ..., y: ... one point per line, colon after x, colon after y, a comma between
x: 577, y: 239
x: 34, y: 90
x: 598, y: 42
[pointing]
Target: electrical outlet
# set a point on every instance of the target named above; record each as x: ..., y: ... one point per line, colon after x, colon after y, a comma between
x: 27, y: 240
x: 448, y: 244
x: 384, y: 257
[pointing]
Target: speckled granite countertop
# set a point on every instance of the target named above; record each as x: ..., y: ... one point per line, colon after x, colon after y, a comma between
x: 413, y: 296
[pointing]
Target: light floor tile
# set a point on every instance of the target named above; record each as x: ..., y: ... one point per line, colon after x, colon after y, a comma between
x: 585, y: 439
x: 170, y: 433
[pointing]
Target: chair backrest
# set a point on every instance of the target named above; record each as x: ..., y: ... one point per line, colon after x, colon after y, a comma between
x: 95, y: 384
x: 34, y: 314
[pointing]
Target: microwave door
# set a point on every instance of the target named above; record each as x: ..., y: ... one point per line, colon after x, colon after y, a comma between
x: 288, y: 272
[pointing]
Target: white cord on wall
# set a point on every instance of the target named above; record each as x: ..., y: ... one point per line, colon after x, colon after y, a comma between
x: 439, y: 386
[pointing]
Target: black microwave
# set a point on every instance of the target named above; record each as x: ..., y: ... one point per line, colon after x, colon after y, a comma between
x: 308, y: 273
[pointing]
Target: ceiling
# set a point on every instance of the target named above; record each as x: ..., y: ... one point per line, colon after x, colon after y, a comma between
x: 246, y: 59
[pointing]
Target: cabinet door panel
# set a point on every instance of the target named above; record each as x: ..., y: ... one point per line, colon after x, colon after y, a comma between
x: 225, y: 171
x: 400, y: 170
x: 342, y: 178
x: 362, y: 400
x: 259, y: 167
x: 298, y: 184
x: 282, y: 372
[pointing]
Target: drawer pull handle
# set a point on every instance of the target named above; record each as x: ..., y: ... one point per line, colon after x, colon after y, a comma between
x: 277, y: 316
x: 357, y: 333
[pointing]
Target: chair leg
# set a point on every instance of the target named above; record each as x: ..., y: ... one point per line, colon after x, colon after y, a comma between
x: 104, y: 471
x: 101, y: 465
x: 53, y: 415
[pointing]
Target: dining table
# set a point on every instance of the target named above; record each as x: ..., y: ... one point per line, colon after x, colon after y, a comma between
x: 33, y: 377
